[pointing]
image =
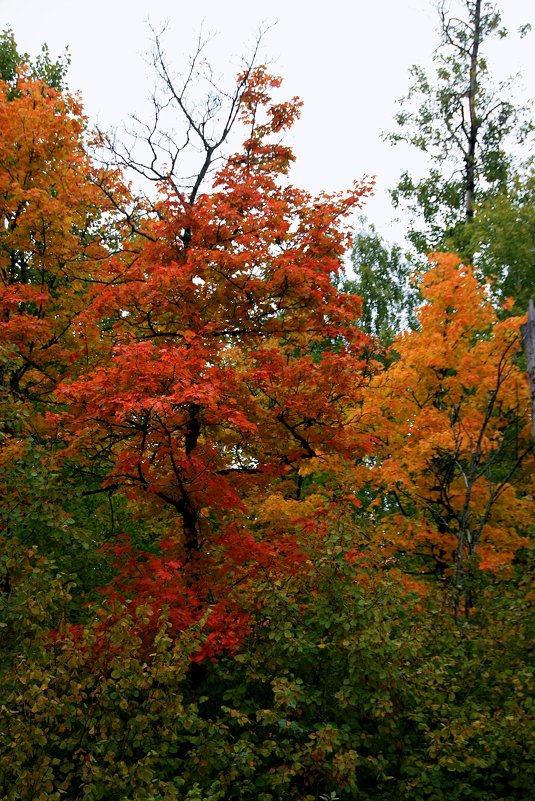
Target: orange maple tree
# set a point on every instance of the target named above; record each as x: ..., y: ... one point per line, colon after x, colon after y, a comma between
x: 454, y: 433
x: 55, y: 238
x: 53, y: 233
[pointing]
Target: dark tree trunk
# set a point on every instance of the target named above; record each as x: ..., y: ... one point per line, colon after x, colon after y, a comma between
x: 470, y: 161
x: 528, y: 337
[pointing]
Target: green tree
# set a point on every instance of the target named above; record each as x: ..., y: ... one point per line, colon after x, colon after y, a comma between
x: 476, y: 197
x: 465, y: 124
x: 43, y: 67
x: 383, y: 281
x: 502, y: 237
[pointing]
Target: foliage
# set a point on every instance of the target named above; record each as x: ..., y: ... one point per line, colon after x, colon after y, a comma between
x: 502, y: 235
x: 464, y: 123
x: 455, y: 433
x: 346, y: 687
x: 225, y: 369
x: 383, y: 281
x: 214, y: 496
x: 476, y: 195
x: 42, y: 68
x: 53, y: 237
x: 56, y: 226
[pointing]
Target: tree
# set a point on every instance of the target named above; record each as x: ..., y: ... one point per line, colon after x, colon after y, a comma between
x: 476, y: 198
x: 227, y: 364
x: 383, y: 281
x: 502, y: 235
x: 465, y: 126
x: 455, y: 431
x: 57, y: 230
x: 42, y: 67
x: 52, y: 240
x: 347, y: 685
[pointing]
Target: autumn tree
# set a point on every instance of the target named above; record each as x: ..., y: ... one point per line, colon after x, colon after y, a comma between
x: 228, y: 364
x: 455, y: 432
x: 57, y: 231
x: 213, y: 496
x: 52, y: 239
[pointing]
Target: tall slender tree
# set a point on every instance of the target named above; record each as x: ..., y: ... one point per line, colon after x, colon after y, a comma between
x: 477, y: 196
x: 465, y: 123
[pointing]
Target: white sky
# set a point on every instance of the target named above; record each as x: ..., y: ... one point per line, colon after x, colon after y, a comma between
x: 346, y: 59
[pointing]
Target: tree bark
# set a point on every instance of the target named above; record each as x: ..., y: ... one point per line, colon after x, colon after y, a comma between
x: 470, y: 160
x: 528, y: 338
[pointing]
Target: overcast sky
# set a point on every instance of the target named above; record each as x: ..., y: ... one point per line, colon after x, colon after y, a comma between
x: 346, y: 59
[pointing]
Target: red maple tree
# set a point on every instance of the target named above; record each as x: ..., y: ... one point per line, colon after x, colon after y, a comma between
x: 228, y: 361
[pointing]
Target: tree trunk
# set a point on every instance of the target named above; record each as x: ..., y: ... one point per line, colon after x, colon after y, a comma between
x: 528, y: 337
x: 470, y: 160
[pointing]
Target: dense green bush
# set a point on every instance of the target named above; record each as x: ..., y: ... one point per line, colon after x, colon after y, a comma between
x: 347, y: 689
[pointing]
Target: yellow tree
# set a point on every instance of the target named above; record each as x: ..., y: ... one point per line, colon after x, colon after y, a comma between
x: 454, y: 434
